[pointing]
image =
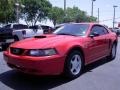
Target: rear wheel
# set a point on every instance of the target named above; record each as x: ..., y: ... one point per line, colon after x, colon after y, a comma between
x: 74, y: 64
x: 113, y: 52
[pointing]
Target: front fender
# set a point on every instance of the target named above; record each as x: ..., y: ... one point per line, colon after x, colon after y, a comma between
x: 65, y: 48
x: 18, y: 34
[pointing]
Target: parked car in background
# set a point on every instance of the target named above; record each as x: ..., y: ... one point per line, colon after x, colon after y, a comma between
x: 47, y: 29
x: 117, y: 31
x: 34, y: 31
x: 15, y: 32
x: 67, y: 50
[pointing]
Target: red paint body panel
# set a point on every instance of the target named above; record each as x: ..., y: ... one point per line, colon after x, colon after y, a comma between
x: 93, y: 49
x: 38, y: 66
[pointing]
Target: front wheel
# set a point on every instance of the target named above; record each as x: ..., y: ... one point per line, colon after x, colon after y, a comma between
x: 74, y: 64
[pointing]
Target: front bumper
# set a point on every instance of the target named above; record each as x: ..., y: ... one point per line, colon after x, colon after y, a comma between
x: 50, y: 65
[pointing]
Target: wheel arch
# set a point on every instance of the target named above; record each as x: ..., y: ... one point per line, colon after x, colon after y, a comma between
x: 115, y: 42
x: 77, y: 48
x: 66, y: 70
x: 16, y: 38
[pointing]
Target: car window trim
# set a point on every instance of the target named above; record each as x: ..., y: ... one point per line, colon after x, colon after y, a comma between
x: 99, y: 26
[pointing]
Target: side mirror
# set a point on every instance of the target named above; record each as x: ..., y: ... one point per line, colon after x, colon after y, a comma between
x: 94, y: 34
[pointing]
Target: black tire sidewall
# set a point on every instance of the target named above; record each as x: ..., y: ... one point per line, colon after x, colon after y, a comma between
x: 67, y: 70
x: 111, y: 56
x: 4, y: 46
x: 16, y: 38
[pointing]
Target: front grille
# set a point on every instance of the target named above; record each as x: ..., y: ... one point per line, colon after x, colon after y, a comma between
x: 16, y: 51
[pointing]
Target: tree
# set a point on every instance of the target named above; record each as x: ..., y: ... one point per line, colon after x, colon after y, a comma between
x: 76, y: 15
x: 72, y: 14
x: 7, y: 11
x: 35, y: 10
x: 91, y: 19
x: 56, y: 14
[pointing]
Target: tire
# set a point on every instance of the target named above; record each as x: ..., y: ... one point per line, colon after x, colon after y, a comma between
x: 112, y: 55
x: 73, y: 64
x: 16, y: 38
x: 4, y: 46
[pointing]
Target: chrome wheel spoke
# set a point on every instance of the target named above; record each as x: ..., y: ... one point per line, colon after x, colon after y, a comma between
x: 75, y: 64
x: 113, y: 51
x: 72, y: 70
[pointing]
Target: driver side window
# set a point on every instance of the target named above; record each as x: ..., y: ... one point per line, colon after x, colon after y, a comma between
x: 98, y: 29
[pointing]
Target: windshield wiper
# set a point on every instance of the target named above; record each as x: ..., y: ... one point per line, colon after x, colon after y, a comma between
x: 65, y: 34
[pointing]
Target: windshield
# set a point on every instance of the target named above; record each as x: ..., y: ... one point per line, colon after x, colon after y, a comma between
x: 72, y: 29
x: 35, y: 27
x: 7, y: 26
x: 19, y: 26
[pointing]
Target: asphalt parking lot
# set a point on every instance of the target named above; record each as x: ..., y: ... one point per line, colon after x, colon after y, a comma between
x: 101, y: 75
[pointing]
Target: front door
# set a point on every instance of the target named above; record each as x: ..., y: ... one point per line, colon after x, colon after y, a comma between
x: 97, y: 45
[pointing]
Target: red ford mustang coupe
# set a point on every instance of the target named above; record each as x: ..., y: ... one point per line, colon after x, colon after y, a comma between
x: 67, y: 50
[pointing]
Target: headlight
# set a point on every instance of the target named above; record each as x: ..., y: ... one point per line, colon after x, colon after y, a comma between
x: 42, y: 52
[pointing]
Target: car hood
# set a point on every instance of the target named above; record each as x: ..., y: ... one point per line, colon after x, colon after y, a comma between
x: 44, y: 41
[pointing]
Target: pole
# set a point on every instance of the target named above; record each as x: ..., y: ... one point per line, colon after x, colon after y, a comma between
x: 65, y: 6
x: 17, y: 14
x: 64, y: 10
x: 98, y: 15
x: 114, y: 7
x: 92, y: 7
x: 17, y: 10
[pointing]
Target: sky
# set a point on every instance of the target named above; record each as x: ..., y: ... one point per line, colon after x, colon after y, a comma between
x: 105, y: 7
